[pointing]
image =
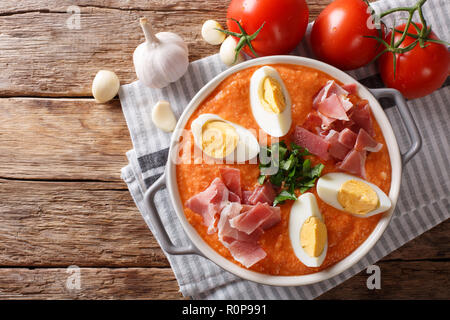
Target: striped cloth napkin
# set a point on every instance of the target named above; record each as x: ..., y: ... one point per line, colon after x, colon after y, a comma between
x: 423, y: 201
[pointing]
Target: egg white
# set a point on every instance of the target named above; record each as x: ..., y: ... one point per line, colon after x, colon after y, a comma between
x: 329, y: 185
x: 247, y: 147
x: 303, y: 208
x: 276, y: 125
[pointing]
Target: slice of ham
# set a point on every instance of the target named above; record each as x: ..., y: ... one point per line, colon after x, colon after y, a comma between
x: 230, y: 211
x: 354, y: 162
x: 274, y: 219
x: 247, y: 253
x: 348, y: 138
x: 245, y: 196
x: 331, y: 104
x: 227, y: 234
x: 340, y: 125
x: 246, y: 207
x: 233, y: 197
x: 332, y: 107
x: 313, y: 121
x: 240, y: 226
x: 362, y: 117
x: 264, y: 194
x: 322, y: 94
x: 232, y: 179
x: 314, y: 143
x: 337, y: 89
x: 261, y: 216
x: 351, y: 88
x: 243, y: 247
x: 326, y: 121
x: 337, y: 150
x: 209, y: 203
x: 235, y: 235
x: 331, y: 87
x: 366, y: 142
x: 346, y: 104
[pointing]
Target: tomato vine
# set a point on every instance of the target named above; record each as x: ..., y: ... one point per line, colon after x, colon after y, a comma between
x: 244, y: 38
x: 421, y: 37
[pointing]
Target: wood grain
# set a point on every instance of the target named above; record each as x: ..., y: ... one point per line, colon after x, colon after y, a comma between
x: 57, y: 139
x: 51, y: 224
x: 95, y: 283
x: 41, y: 56
x: 11, y: 7
x: 406, y: 280
x: 45, y: 58
x: 398, y: 281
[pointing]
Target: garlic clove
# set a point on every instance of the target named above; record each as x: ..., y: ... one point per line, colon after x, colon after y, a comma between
x: 163, y: 117
x: 228, y: 51
x: 105, y: 86
x: 210, y: 34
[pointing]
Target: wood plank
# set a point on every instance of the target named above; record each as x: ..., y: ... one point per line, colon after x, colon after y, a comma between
x: 399, y: 280
x: 41, y: 56
x: 218, y: 6
x: 51, y: 224
x: 432, y: 245
x: 62, y: 139
x: 95, y: 283
x: 45, y: 58
x: 405, y: 280
x: 10, y: 7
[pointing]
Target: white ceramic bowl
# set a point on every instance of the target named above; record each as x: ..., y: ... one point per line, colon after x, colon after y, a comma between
x: 201, y: 247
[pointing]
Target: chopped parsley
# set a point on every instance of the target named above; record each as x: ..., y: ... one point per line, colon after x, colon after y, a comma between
x: 287, y: 169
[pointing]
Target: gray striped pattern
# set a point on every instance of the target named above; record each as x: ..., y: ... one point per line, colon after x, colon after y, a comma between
x: 424, y: 200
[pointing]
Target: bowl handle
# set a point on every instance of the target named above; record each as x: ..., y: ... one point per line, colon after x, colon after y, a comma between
x: 155, y: 220
x: 408, y: 120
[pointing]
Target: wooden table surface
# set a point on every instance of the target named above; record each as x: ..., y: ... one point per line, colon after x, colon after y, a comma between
x: 62, y: 202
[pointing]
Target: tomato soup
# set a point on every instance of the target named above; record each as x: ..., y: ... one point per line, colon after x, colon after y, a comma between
x: 231, y: 101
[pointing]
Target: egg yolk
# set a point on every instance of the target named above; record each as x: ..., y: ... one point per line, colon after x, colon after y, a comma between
x: 219, y: 138
x: 313, y: 236
x: 357, y: 197
x: 272, y: 97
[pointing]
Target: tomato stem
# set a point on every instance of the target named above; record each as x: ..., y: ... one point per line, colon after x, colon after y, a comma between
x: 408, y: 9
x: 422, y: 33
x: 400, y: 41
x: 416, y: 36
x: 421, y: 37
x: 244, y: 38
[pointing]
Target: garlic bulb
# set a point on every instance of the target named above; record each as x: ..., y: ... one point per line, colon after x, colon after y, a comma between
x: 228, y: 52
x: 210, y: 33
x: 163, y: 58
x: 163, y: 117
x: 105, y: 86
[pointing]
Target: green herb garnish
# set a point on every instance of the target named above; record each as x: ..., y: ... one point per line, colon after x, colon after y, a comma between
x: 287, y: 169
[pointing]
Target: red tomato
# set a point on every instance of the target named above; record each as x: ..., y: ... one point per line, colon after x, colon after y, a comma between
x: 420, y: 71
x: 285, y: 23
x: 337, y: 36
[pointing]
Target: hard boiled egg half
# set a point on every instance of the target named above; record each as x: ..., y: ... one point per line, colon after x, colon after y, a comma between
x: 222, y: 139
x: 352, y: 194
x: 307, y: 231
x: 270, y: 102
